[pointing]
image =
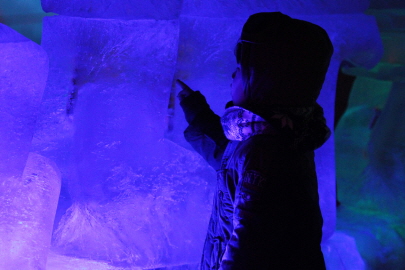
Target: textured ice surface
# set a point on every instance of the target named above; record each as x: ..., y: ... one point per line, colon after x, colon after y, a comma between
x: 379, y: 237
x: 340, y: 253
x: 120, y: 71
x: 377, y: 98
x: 138, y: 199
x: 205, y: 62
x: 385, y: 174
x: 24, y: 69
x: 148, y: 9
x: 116, y: 9
x: 26, y: 198
x: 152, y: 215
x: 27, y: 211
x: 370, y: 162
x: 231, y: 9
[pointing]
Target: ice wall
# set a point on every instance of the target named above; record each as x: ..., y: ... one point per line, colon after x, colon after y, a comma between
x: 28, y: 197
x: 139, y: 199
x: 371, y: 152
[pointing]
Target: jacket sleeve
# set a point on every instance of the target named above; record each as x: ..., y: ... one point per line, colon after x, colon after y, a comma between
x: 204, y: 133
x: 249, y: 246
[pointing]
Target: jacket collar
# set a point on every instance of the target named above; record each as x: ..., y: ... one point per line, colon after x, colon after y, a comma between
x: 240, y: 124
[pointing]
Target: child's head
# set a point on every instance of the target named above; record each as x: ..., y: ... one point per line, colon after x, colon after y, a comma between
x: 282, y: 61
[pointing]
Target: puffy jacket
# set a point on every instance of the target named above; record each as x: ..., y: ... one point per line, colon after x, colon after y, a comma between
x: 266, y: 211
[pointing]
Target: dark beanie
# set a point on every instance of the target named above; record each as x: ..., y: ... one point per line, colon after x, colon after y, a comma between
x: 288, y: 58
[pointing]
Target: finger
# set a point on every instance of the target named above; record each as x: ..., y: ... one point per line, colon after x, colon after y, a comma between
x: 182, y: 84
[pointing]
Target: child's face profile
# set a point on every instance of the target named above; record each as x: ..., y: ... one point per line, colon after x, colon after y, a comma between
x: 237, y: 89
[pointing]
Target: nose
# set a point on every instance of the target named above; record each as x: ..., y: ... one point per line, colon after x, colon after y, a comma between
x: 234, y: 74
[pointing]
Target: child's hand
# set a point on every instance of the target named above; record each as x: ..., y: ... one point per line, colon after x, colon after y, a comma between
x: 185, y: 90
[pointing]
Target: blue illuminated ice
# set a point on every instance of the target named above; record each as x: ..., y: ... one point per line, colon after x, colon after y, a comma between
x: 115, y: 9
x: 138, y: 199
x: 27, y: 211
x: 242, y: 9
x: 28, y: 197
x: 24, y: 70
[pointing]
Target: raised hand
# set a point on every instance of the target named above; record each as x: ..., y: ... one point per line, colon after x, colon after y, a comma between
x: 185, y: 90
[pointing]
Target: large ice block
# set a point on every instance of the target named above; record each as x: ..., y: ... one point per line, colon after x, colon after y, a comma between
x: 27, y: 211
x: 97, y: 61
x: 115, y: 9
x: 242, y: 9
x: 341, y: 253
x: 138, y: 199
x: 24, y: 69
x: 371, y: 130
x: 120, y: 72
x: 385, y: 174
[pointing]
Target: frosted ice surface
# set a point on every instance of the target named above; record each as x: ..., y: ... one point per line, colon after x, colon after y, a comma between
x: 138, y: 199
x: 227, y: 9
x: 379, y: 237
x: 115, y: 9
x: 242, y: 9
x: 205, y: 62
x: 121, y: 71
x: 27, y: 211
x: 341, y: 253
x: 386, y: 171
x: 151, y: 215
x: 24, y: 69
x: 318, y: 7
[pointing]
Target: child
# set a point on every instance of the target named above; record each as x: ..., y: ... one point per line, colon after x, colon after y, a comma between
x: 266, y: 211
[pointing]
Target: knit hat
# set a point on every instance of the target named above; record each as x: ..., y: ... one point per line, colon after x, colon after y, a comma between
x: 285, y: 60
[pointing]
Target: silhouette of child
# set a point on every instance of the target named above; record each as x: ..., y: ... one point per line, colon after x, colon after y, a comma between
x: 266, y: 211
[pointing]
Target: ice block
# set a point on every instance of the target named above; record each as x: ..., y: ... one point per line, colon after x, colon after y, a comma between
x: 139, y: 200
x: 27, y: 211
x: 115, y: 9
x: 242, y: 9
x: 23, y: 77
